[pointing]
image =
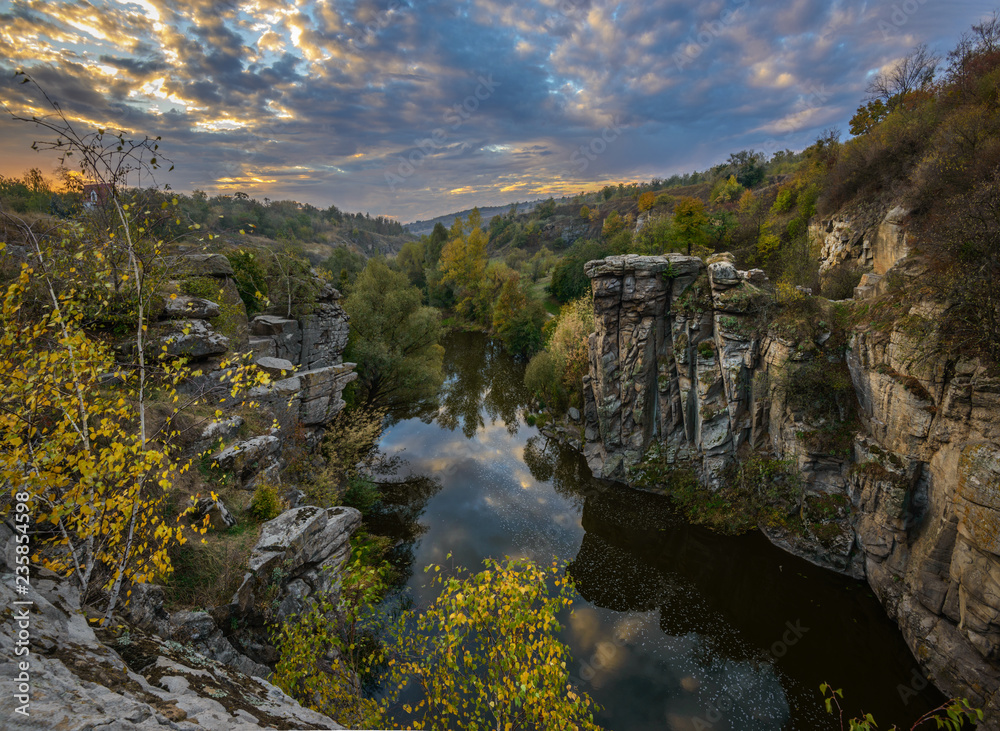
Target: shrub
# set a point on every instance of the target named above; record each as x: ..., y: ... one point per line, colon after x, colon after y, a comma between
x: 362, y: 493
x: 251, y: 280
x: 204, y: 287
x: 839, y: 282
x: 485, y: 653
x: 266, y: 503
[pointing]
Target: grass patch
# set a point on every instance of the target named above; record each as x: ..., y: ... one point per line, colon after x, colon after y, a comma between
x: 208, y: 572
x: 755, y: 492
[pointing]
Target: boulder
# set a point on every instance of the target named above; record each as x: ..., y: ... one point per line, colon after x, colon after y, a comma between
x: 224, y: 429
x: 192, y: 339
x: 200, y: 265
x: 278, y: 367
x: 300, y: 553
x: 246, y: 458
x: 185, y: 306
x: 219, y: 518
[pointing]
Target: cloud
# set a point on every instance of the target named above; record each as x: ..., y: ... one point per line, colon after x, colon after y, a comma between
x: 255, y: 93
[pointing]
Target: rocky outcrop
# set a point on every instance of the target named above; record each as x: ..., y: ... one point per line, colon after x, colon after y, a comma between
x: 124, y: 678
x: 299, y: 554
x: 315, y: 340
x: 863, y: 239
x: 925, y: 483
x: 670, y: 361
x: 687, y: 360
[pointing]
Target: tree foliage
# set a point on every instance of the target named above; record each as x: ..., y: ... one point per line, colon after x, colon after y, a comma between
x: 77, y: 444
x: 322, y: 651
x: 690, y: 223
x: 463, y: 265
x: 394, y: 339
x: 953, y: 715
x: 517, y: 318
x: 484, y: 655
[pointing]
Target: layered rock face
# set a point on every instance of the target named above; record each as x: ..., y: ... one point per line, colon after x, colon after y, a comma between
x: 681, y: 363
x: 926, y: 490
x: 671, y: 361
x: 134, y: 679
x: 303, y: 356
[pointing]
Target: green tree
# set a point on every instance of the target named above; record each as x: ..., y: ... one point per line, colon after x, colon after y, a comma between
x: 394, y: 339
x: 518, y: 318
x: 410, y: 261
x: 612, y: 224
x: 435, y: 242
x: 585, y: 213
x: 569, y: 280
x: 656, y: 237
x: 690, y: 223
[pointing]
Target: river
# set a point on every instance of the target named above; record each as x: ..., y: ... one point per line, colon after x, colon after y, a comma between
x: 675, y: 627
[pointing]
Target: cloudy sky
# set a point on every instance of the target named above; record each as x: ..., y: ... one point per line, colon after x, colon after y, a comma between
x: 415, y: 108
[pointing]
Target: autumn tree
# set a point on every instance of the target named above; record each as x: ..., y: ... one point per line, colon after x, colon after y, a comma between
x: 463, y: 264
x: 485, y: 653
x: 646, y: 201
x: 868, y: 116
x: 394, y: 339
x: 78, y: 448
x: 727, y: 191
x: 690, y: 223
x: 556, y: 375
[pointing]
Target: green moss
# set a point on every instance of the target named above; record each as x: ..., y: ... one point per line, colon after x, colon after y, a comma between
x: 205, y: 287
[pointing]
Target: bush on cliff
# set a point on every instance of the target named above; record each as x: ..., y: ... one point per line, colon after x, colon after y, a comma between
x: 555, y: 376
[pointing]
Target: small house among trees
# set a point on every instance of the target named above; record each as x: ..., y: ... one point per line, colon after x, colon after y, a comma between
x: 95, y: 195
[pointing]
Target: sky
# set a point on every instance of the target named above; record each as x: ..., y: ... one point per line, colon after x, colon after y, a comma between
x: 417, y: 108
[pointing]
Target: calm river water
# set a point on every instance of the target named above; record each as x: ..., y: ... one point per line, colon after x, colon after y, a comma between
x: 675, y: 627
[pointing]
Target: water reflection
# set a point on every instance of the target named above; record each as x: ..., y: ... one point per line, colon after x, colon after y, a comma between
x: 677, y: 627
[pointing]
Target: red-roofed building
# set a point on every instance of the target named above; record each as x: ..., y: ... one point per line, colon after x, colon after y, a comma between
x: 96, y: 195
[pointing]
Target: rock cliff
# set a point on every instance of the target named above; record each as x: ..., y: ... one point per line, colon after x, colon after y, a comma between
x: 129, y: 677
x: 692, y: 361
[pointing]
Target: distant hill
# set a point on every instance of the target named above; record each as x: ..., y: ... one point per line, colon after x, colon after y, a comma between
x: 419, y: 228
